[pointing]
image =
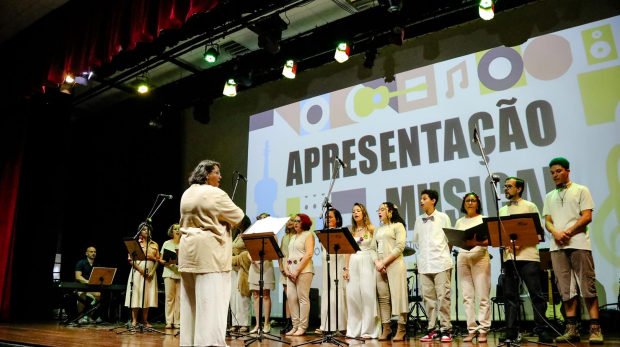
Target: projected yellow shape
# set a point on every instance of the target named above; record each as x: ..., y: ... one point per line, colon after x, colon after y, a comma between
x: 367, y: 99
x: 599, y: 94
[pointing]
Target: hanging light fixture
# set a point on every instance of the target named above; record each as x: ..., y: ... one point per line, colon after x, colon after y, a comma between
x: 342, y: 52
x: 486, y: 9
x: 290, y: 69
x: 69, y: 79
x: 230, y: 88
x: 211, y: 55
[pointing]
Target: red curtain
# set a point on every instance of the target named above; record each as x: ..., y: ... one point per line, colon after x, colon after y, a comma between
x: 96, y: 32
x: 11, y: 163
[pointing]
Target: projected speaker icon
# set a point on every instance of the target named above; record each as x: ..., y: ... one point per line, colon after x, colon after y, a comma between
x: 368, y: 99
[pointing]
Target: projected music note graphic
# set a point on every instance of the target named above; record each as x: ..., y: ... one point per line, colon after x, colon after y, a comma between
x: 368, y: 99
x: 462, y: 66
x: 266, y: 190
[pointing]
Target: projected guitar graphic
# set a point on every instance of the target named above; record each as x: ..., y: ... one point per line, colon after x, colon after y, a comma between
x: 368, y: 99
x: 266, y: 190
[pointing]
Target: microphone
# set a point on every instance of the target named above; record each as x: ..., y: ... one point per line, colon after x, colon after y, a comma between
x: 241, y: 176
x: 475, y: 138
x: 165, y: 196
x: 341, y: 162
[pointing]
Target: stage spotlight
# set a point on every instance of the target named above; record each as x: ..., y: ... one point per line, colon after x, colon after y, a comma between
x: 486, y: 9
x: 141, y: 85
x: 370, y: 55
x: 392, y: 5
x: 69, y: 79
x: 290, y: 69
x: 342, y: 52
x: 230, y: 88
x: 211, y: 55
x: 270, y: 33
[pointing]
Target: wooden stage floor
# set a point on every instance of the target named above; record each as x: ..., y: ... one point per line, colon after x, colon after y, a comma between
x: 52, y: 334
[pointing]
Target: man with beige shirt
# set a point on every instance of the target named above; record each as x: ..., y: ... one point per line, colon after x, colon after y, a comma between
x: 526, y: 267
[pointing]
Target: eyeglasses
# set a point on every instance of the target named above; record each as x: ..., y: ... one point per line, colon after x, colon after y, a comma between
x: 382, y: 209
x: 508, y: 186
x: 296, y: 221
x: 471, y: 201
x: 216, y: 173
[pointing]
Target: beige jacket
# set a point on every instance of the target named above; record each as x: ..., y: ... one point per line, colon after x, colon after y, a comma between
x: 207, y: 214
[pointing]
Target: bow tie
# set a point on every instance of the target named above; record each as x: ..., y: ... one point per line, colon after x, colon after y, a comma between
x: 516, y: 203
x: 431, y: 218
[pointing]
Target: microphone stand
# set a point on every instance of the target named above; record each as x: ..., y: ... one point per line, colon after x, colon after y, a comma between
x: 236, y: 184
x: 494, y: 182
x: 141, y: 328
x: 328, y: 335
x: 456, y: 329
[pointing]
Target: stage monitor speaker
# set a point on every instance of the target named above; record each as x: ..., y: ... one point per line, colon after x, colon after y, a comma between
x: 315, y: 308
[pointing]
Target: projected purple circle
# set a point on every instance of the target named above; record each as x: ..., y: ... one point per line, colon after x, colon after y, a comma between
x: 516, y: 68
x: 314, y: 114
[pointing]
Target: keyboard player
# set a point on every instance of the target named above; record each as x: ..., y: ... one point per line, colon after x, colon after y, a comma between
x: 83, y: 269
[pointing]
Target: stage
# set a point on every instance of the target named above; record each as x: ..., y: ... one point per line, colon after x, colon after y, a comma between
x: 55, y: 335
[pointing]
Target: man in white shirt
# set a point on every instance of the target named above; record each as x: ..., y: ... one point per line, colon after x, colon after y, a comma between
x: 434, y: 265
x: 527, y: 265
x: 568, y: 211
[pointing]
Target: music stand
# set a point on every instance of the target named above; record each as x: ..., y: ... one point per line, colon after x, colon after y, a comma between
x: 262, y: 245
x: 334, y: 241
x: 102, y: 276
x: 519, y: 230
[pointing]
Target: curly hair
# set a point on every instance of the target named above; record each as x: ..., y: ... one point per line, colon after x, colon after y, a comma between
x: 199, y: 176
x: 478, y: 209
x: 396, y: 218
x: 306, y: 222
x: 560, y: 161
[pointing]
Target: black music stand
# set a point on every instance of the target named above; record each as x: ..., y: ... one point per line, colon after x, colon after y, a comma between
x: 265, y: 247
x: 334, y: 241
x: 518, y: 230
x: 136, y: 253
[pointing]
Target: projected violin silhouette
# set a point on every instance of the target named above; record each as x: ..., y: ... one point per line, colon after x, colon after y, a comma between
x: 266, y: 190
x: 368, y: 99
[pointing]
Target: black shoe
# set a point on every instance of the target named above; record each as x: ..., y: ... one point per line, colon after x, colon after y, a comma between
x: 502, y: 337
x: 288, y: 327
x: 545, y: 336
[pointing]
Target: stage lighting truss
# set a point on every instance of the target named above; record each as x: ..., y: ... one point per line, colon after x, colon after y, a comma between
x: 290, y: 69
x: 211, y: 54
x: 486, y: 9
x: 342, y: 52
x: 230, y: 87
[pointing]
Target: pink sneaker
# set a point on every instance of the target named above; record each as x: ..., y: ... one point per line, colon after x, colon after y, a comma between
x: 432, y: 336
x: 446, y: 336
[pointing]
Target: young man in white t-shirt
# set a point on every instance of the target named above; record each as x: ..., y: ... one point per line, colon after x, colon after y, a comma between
x: 434, y: 265
x: 527, y: 266
x: 568, y: 211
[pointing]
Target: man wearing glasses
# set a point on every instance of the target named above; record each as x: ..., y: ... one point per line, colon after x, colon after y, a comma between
x: 528, y: 267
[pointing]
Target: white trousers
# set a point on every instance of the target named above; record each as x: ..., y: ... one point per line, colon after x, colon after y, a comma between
x: 204, y: 308
x: 173, y: 300
x: 474, y: 269
x: 239, y: 304
x: 362, y: 306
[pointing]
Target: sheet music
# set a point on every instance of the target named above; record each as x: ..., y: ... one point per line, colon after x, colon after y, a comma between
x: 267, y: 225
